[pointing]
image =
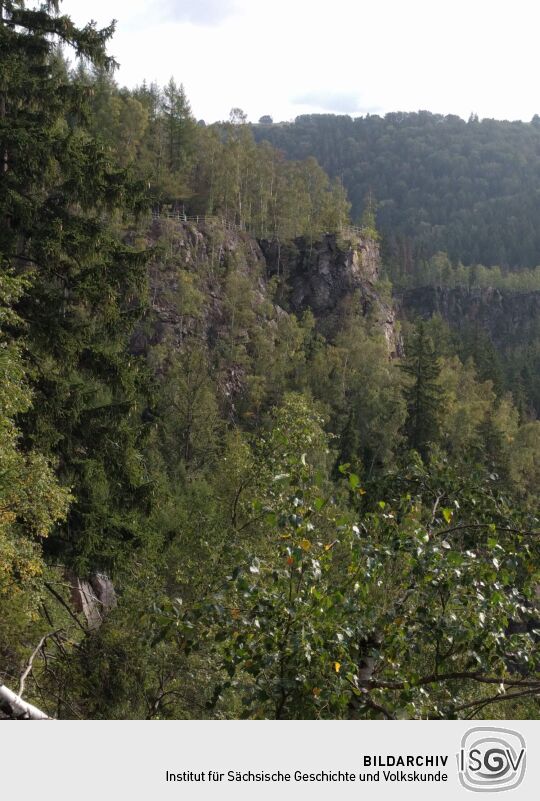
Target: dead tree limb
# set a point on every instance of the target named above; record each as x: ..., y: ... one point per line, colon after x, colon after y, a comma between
x: 30, y: 663
x: 19, y: 709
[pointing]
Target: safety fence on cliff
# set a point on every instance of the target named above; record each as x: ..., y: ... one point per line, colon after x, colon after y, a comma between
x: 345, y: 231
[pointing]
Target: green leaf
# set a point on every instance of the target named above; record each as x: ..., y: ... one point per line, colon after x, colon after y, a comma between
x: 447, y: 514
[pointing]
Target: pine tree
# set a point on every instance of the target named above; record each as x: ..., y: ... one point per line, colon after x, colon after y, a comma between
x: 175, y: 130
x: 368, y: 222
x: 423, y: 394
x: 58, y: 192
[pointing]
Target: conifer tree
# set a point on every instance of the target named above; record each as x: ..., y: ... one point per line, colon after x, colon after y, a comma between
x: 423, y: 395
x: 179, y: 128
x: 368, y: 221
x: 58, y: 192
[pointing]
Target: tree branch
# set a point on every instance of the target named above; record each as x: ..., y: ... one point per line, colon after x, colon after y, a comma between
x: 493, y: 699
x: 30, y: 662
x: 442, y: 677
x: 64, y: 604
x: 19, y: 708
x: 464, y: 526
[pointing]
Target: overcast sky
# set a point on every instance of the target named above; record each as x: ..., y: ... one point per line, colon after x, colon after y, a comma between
x: 290, y: 57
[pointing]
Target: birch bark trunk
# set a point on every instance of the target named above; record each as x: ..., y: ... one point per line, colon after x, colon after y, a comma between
x: 20, y: 708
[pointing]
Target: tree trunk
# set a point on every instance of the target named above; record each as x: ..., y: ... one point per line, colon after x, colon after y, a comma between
x: 19, y: 708
x: 4, y: 157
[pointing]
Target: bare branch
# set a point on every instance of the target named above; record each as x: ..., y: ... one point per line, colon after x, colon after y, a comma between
x: 494, y: 699
x: 19, y: 708
x: 30, y: 662
x: 442, y: 677
x: 64, y: 604
x: 464, y: 526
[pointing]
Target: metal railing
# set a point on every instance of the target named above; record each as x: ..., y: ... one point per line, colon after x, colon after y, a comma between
x: 346, y: 231
x: 198, y: 219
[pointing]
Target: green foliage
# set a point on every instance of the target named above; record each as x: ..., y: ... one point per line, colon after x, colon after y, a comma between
x: 297, y: 524
x: 57, y: 197
x: 442, y: 184
x: 342, y: 617
x: 31, y: 501
x: 440, y: 272
x: 362, y: 390
x: 368, y: 221
x: 213, y: 170
x: 524, y: 459
x: 423, y: 395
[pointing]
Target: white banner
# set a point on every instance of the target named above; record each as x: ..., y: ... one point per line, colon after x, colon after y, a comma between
x: 134, y: 760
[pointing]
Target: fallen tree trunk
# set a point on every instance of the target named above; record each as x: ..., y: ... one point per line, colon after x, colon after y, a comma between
x: 17, y: 708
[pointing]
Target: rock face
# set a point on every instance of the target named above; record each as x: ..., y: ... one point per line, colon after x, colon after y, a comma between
x: 94, y: 597
x: 506, y: 317
x: 321, y: 276
x: 324, y: 275
x: 188, y: 283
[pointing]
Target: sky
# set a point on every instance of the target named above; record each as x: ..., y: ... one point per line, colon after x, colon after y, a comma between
x: 291, y: 57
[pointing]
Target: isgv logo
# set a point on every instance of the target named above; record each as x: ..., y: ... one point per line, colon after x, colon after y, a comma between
x: 491, y: 760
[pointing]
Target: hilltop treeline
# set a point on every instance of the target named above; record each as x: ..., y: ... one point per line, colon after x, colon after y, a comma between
x: 210, y: 170
x: 440, y: 183
x: 448, y: 198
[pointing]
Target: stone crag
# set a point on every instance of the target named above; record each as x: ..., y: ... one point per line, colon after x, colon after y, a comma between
x: 326, y: 274
x: 508, y: 318
x: 321, y: 276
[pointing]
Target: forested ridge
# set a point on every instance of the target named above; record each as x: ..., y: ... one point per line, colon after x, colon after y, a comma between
x: 468, y: 188
x: 456, y: 205
x: 233, y: 484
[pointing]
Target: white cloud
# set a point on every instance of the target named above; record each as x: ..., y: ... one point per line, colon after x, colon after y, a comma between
x: 347, y: 56
x: 200, y: 12
x: 336, y: 102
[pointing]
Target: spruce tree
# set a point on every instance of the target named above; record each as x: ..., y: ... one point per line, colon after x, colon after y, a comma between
x: 58, y: 195
x: 423, y: 394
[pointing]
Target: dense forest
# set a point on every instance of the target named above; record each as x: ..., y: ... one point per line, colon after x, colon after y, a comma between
x: 233, y: 484
x: 456, y: 204
x: 469, y: 189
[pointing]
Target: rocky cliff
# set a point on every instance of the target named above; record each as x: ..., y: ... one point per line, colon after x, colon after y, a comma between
x: 508, y: 318
x: 190, y: 282
x: 324, y: 275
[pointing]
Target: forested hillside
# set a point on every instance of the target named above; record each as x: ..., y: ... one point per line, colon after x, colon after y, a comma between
x: 456, y: 205
x: 469, y: 189
x: 233, y: 482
